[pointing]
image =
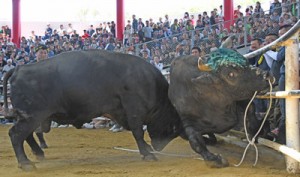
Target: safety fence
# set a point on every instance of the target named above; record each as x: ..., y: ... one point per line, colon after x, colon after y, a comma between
x: 292, y: 94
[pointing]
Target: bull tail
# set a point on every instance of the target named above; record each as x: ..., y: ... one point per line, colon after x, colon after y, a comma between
x: 5, y: 81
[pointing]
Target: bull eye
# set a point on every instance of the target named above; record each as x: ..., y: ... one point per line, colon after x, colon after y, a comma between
x: 231, y: 74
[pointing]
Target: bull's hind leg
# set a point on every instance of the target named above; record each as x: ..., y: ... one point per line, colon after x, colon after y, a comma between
x: 197, y: 143
x: 138, y: 133
x: 36, y: 149
x: 135, y: 124
x: 20, y: 132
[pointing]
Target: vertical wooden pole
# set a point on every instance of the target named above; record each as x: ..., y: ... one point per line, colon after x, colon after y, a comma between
x: 292, y: 109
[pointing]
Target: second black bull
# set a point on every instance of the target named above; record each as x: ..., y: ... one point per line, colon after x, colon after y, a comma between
x: 209, y: 98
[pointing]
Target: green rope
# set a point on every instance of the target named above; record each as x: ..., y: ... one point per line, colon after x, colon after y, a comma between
x: 226, y: 57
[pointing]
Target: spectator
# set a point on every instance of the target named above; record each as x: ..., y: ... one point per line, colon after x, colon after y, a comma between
x: 157, y: 64
x: 110, y: 46
x: 134, y: 24
x: 275, y: 6
x: 258, y: 11
x: 70, y: 29
x: 49, y: 30
x: 147, y: 30
x: 175, y: 27
x: 7, y: 67
x: 146, y: 57
x: 237, y: 12
x: 196, y: 51
x: 60, y: 30
x: 255, y: 44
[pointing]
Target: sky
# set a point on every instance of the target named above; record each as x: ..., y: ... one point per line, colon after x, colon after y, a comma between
x: 101, y: 10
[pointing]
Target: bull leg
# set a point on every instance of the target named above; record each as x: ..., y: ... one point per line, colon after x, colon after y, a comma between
x: 211, y: 140
x: 35, y: 147
x: 41, y: 138
x: 197, y: 143
x: 138, y: 134
x: 18, y: 134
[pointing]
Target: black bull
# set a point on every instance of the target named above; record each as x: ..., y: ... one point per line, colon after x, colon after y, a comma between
x: 211, y: 100
x: 74, y: 87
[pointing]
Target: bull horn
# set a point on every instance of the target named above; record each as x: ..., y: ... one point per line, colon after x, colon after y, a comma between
x: 203, y: 67
x: 228, y: 42
x: 277, y: 42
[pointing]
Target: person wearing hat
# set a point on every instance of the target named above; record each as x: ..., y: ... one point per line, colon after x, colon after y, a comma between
x: 41, y: 52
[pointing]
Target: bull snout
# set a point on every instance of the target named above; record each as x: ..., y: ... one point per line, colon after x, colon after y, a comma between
x: 269, y: 76
x: 266, y: 74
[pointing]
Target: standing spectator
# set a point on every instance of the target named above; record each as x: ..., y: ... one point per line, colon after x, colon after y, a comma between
x: 212, y: 20
x: 147, y: 32
x: 175, y: 27
x: 167, y: 22
x: 127, y: 34
x: 275, y: 6
x: 237, y: 12
x: 49, y: 30
x: 60, y: 30
x: 258, y: 11
x: 70, y: 29
x: 91, y: 30
x: 134, y: 24
x: 140, y: 22
x: 113, y: 28
x: 186, y: 17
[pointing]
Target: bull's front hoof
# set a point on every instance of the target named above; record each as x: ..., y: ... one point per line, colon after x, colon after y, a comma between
x: 28, y: 166
x: 149, y: 157
x: 44, y: 146
x: 40, y: 157
x: 218, y: 163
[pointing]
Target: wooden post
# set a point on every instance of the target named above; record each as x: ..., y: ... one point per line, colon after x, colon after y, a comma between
x: 292, y: 83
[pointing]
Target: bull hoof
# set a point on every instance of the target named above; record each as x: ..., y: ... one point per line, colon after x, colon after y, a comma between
x: 43, y: 146
x: 40, y: 157
x: 218, y: 163
x: 28, y: 166
x: 149, y: 157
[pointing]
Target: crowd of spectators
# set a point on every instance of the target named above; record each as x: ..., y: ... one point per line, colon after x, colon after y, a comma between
x: 164, y: 39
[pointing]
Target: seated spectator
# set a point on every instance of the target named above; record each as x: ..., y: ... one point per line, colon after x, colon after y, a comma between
x: 156, y: 62
x: 7, y: 67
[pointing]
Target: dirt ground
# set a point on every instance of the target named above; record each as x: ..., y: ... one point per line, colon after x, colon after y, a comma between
x: 91, y: 152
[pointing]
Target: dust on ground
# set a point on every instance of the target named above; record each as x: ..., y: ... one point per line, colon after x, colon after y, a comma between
x: 91, y: 152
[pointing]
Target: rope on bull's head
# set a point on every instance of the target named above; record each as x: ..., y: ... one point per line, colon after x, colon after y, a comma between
x: 252, y: 141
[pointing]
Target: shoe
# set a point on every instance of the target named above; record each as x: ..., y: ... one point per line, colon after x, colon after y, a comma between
x: 63, y: 126
x: 118, y: 129
x: 113, y: 127
x: 88, y: 126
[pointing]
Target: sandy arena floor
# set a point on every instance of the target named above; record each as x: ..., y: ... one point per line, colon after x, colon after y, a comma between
x: 90, y: 152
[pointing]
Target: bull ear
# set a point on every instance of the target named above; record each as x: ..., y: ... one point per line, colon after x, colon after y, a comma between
x: 206, y: 78
x: 203, y: 67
